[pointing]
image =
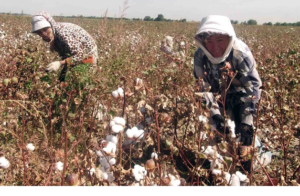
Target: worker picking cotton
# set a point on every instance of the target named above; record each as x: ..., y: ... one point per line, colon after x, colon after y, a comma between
x: 73, y: 44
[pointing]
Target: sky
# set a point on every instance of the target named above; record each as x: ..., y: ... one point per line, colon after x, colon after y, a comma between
x: 192, y: 10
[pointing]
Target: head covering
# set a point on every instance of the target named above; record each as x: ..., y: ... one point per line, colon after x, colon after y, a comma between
x: 212, y: 25
x: 39, y: 22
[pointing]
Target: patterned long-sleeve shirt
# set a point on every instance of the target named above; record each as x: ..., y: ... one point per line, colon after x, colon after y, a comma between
x: 72, y: 41
x: 241, y: 60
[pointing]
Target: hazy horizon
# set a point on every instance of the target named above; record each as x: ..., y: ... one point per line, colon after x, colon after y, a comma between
x: 193, y: 10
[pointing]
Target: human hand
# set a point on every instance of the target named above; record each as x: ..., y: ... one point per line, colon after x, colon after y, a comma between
x: 54, y: 66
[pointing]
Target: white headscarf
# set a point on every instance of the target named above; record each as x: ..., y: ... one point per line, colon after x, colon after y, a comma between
x: 215, y: 24
x: 39, y: 22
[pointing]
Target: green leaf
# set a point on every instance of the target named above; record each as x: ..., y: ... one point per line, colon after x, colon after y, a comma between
x: 202, y: 156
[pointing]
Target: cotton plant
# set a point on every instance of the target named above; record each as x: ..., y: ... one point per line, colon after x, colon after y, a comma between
x: 135, y: 133
x: 139, y: 172
x: 4, y: 163
x: 119, y: 93
x: 117, y: 124
x: 30, y: 147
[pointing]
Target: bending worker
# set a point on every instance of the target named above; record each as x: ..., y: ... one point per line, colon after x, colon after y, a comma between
x: 73, y: 44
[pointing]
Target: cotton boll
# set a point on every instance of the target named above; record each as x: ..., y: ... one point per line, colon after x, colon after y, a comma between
x: 203, y: 135
x: 139, y: 172
x: 92, y: 171
x: 112, y: 123
x: 4, y: 163
x: 231, y: 124
x: 110, y: 148
x: 175, y: 183
x: 59, y: 166
x: 112, y: 161
x: 139, y: 134
x: 202, y: 119
x: 104, y: 175
x: 235, y: 181
x: 216, y: 172
x: 115, y: 94
x: 227, y: 176
x: 121, y: 92
x: 30, y: 147
x: 112, y: 138
x: 117, y: 128
x: 173, y: 180
x: 209, y: 151
x: 120, y: 121
x: 129, y: 133
x: 138, y: 82
x: 154, y: 156
x: 241, y: 176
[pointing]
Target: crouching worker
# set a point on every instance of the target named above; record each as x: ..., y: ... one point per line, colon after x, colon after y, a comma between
x: 221, y: 52
x: 73, y: 44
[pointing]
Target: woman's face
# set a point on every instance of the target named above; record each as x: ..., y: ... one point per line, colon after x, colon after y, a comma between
x: 216, y: 45
x: 46, y: 34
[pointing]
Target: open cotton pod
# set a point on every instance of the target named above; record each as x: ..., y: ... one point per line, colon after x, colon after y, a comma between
x: 117, y: 124
x: 139, y: 172
x: 4, y: 163
x: 235, y: 181
x: 59, y: 166
x: 138, y: 84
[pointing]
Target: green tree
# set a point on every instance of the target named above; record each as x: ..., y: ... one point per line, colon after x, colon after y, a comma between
x: 252, y: 22
x: 148, y: 18
x: 160, y: 17
x: 268, y: 24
